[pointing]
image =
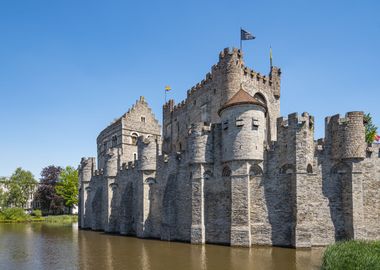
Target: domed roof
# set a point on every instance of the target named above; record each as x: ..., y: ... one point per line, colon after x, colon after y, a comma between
x: 241, y: 97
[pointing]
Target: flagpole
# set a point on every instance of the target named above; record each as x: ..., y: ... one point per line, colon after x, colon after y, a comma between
x: 241, y: 43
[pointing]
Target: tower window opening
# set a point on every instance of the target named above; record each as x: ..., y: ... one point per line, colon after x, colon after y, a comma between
x: 309, y: 169
x: 255, y: 123
x: 239, y: 122
x: 225, y: 125
x: 226, y: 172
x: 114, y: 141
x: 134, y: 137
x: 143, y: 119
x: 134, y: 156
x: 259, y: 97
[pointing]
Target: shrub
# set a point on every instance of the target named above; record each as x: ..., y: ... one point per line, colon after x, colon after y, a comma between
x: 14, y: 214
x: 37, y: 213
x: 63, y: 219
x: 352, y: 255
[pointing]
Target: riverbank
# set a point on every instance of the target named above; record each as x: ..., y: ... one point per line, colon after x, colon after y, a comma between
x: 352, y: 255
x: 15, y: 215
x: 63, y: 219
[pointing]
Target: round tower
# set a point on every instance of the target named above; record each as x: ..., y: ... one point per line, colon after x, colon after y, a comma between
x: 243, y: 128
x: 353, y: 136
x: 230, y: 71
x: 86, y: 169
x: 111, y: 162
x: 147, y: 153
x: 200, y: 144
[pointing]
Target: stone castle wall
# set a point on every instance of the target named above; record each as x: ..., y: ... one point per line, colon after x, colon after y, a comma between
x: 244, y: 177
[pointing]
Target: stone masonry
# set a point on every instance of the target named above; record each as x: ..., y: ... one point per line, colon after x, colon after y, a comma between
x: 225, y: 168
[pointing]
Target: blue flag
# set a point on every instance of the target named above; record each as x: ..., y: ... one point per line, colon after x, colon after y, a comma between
x: 244, y: 35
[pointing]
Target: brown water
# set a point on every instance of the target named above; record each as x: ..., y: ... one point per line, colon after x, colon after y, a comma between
x: 44, y: 246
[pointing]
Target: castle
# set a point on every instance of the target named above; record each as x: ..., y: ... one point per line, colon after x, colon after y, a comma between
x: 225, y: 168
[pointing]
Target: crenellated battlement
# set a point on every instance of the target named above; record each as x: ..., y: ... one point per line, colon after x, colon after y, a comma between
x: 345, y: 136
x: 295, y: 121
x: 230, y: 62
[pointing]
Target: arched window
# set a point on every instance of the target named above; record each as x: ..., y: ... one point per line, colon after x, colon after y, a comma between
x: 207, y: 175
x: 287, y: 169
x: 309, y: 169
x: 255, y: 171
x: 150, y: 181
x: 259, y: 97
x: 134, y: 137
x: 226, y: 172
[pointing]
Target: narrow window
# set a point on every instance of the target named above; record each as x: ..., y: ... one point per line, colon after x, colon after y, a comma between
x: 143, y: 119
x: 134, y: 156
x: 134, y: 137
x: 226, y: 172
x: 114, y: 141
x: 255, y: 122
x: 225, y: 125
x: 309, y: 169
x: 239, y: 122
x: 204, y: 112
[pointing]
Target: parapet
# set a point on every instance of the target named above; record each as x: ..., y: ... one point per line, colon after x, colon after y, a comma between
x: 294, y: 121
x: 227, y: 53
x: 147, y: 152
x: 86, y: 169
x: 200, y: 143
x: 346, y: 136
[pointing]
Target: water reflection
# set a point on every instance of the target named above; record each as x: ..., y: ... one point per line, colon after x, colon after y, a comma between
x: 42, y: 246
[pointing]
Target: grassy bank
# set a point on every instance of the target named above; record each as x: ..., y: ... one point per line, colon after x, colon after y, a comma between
x: 17, y: 215
x: 352, y: 255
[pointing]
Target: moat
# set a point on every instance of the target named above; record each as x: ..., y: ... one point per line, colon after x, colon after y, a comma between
x: 46, y: 246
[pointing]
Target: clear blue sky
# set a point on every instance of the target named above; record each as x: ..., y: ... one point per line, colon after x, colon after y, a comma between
x: 68, y: 68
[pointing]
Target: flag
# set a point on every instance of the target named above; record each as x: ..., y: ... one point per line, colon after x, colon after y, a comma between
x: 244, y: 35
x: 168, y: 88
x: 377, y: 138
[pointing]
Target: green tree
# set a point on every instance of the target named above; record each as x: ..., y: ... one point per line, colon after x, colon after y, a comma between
x: 67, y: 186
x: 3, y: 192
x: 21, y: 187
x: 370, y: 129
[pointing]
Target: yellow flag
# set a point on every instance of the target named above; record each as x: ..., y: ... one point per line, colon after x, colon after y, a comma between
x: 168, y: 88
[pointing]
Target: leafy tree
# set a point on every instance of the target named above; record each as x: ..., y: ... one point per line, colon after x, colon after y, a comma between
x: 370, y: 129
x: 67, y: 187
x: 50, y: 175
x: 21, y: 187
x: 3, y: 192
x: 46, y: 196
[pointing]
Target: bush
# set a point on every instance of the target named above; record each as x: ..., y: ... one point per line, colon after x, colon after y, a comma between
x: 63, y: 219
x: 14, y: 214
x: 37, y: 213
x: 352, y: 255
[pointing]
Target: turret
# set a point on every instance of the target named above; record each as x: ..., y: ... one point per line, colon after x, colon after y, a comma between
x: 147, y: 153
x: 200, y: 144
x: 230, y: 68
x: 86, y: 170
x: 111, y: 170
x: 275, y: 77
x: 243, y: 128
x: 346, y: 136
